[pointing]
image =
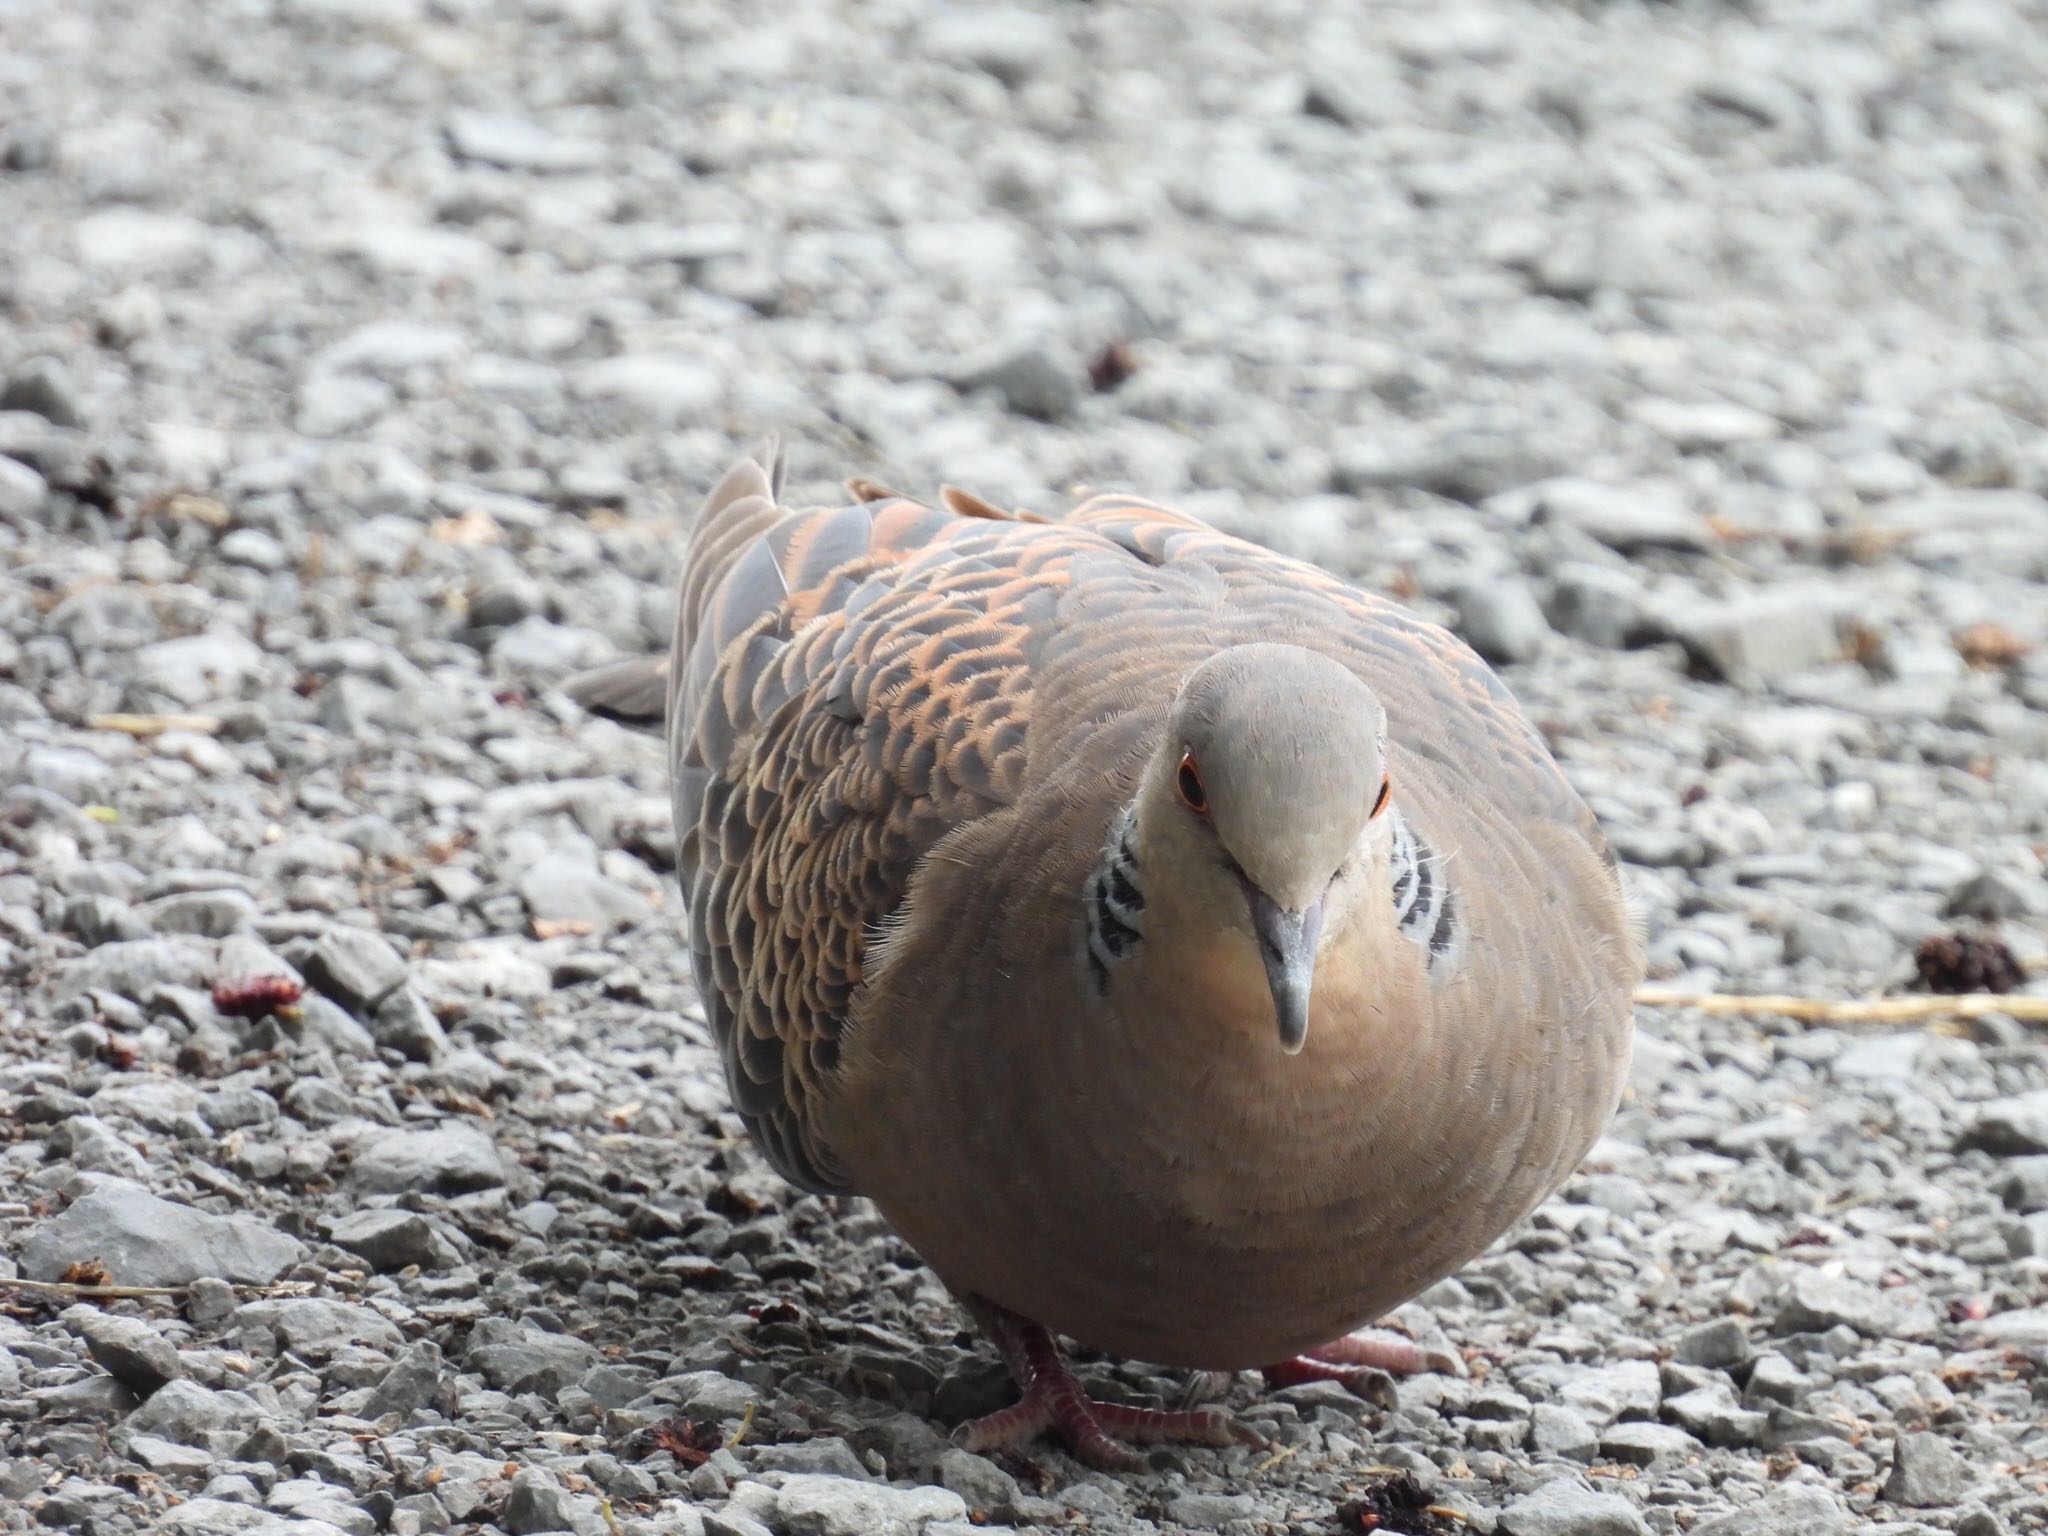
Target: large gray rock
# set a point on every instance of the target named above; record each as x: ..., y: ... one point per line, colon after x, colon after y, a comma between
x: 147, y: 1241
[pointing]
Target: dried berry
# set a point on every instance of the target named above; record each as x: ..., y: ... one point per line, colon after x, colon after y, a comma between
x: 256, y: 997
x: 1966, y: 962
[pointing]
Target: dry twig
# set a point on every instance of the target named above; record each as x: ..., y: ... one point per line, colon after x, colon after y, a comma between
x: 1852, y: 1010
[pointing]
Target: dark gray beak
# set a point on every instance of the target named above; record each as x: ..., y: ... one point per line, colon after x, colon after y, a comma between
x: 1287, y: 943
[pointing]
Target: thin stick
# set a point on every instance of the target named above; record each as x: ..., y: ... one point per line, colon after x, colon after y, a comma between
x: 153, y: 725
x: 132, y: 1292
x: 1874, y: 1010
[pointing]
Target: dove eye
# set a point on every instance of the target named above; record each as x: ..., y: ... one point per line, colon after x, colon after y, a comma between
x: 1187, y: 783
x: 1386, y: 793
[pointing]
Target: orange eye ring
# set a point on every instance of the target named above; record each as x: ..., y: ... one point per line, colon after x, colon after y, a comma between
x: 1386, y: 793
x: 1187, y: 783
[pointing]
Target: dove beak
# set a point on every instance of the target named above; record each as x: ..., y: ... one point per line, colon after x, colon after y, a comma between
x: 1287, y: 943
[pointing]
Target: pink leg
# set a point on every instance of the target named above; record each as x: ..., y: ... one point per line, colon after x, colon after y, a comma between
x: 1347, y: 1359
x: 1053, y: 1399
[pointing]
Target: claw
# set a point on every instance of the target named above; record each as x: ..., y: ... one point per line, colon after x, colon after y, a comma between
x: 1053, y: 1399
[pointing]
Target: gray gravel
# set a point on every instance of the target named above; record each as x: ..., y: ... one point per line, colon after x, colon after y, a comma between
x: 359, y: 363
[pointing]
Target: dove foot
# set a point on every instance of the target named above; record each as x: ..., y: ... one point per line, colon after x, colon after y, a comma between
x: 1055, y: 1400
x: 1347, y: 1359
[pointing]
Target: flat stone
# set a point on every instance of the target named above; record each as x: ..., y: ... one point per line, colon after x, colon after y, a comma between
x: 1718, y: 1344
x: 198, y: 669
x: 1815, y: 1301
x: 568, y: 887
x: 519, y: 144
x: 167, y: 1456
x: 517, y: 1357
x: 129, y: 1350
x: 1640, y: 1444
x: 813, y: 1505
x: 315, y: 1327
x: 144, y: 1240
x: 1755, y: 640
x: 1558, y: 1431
x: 1628, y: 518
x: 220, y: 1517
x: 1008, y: 42
x: 447, y: 1159
x: 392, y: 1240
x: 1607, y: 1393
x: 1567, y: 1507
x: 668, y: 388
x: 1797, y: 1509
x: 186, y: 1412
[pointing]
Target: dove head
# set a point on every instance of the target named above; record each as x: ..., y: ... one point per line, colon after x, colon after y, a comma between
x: 1268, y: 785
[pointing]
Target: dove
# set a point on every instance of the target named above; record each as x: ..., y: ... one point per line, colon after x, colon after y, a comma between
x: 1189, y: 953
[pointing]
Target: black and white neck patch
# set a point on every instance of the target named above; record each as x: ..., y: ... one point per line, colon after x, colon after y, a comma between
x: 1114, y: 903
x: 1424, y: 909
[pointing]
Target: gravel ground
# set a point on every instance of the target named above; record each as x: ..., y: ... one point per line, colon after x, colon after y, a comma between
x: 361, y: 361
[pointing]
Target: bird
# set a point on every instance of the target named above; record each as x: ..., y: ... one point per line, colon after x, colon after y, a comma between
x: 1189, y: 953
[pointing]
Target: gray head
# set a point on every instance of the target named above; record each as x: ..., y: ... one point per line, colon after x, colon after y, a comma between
x: 1276, y: 757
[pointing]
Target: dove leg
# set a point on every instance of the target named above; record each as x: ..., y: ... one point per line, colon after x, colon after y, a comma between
x: 1368, y: 1349
x: 1053, y: 1399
